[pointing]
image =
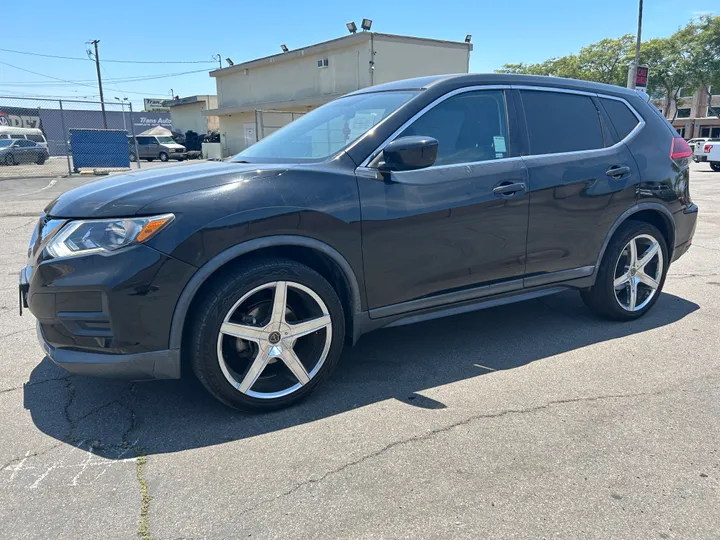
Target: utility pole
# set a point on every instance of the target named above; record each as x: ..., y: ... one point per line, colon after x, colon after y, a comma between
x: 97, y: 66
x: 632, y: 74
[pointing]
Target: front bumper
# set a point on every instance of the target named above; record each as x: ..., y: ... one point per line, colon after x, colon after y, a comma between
x: 137, y: 367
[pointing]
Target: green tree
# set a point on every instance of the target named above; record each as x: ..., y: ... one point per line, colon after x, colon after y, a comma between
x: 702, y: 38
x: 607, y: 60
x: 668, y: 68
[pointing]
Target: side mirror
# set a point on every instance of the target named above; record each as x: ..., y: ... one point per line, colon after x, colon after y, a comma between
x: 409, y: 153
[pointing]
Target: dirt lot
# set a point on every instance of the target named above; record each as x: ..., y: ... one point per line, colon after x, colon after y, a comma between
x: 534, y: 420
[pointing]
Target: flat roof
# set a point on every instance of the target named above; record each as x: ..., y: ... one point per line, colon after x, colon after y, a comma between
x: 336, y: 43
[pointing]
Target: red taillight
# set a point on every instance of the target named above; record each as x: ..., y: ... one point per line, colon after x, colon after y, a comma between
x: 707, y: 148
x: 680, y: 149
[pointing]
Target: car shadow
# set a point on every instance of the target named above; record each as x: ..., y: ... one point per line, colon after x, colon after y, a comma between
x: 112, y: 418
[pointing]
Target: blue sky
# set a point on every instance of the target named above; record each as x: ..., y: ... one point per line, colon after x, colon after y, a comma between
x: 184, y: 30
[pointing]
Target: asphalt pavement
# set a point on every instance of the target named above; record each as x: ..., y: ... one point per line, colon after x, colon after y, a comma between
x: 534, y: 420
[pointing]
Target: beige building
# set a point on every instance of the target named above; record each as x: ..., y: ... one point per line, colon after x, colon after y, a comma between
x: 187, y: 114
x: 693, y: 118
x: 259, y: 96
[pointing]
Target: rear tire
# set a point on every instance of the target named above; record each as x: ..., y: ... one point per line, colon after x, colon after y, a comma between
x: 41, y: 160
x: 263, y: 302
x: 715, y: 166
x: 620, y: 273
x: 10, y: 160
x: 133, y: 158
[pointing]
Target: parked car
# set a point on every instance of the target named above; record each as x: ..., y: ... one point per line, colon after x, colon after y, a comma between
x: 700, y: 154
x: 152, y: 147
x: 16, y: 151
x: 395, y: 204
x: 31, y: 134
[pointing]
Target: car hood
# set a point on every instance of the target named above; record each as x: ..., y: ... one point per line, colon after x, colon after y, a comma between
x: 125, y: 195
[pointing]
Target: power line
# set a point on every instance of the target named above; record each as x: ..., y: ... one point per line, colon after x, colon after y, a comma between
x: 113, y: 61
x: 138, y: 78
x: 70, y: 82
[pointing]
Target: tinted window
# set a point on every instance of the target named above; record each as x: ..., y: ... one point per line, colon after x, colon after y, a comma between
x: 144, y: 140
x: 621, y: 117
x: 469, y: 127
x: 561, y: 122
x: 36, y: 138
x: 13, y: 136
x: 24, y: 143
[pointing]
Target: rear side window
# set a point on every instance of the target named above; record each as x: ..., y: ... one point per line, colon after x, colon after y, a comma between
x: 621, y: 116
x: 559, y: 122
x: 469, y: 127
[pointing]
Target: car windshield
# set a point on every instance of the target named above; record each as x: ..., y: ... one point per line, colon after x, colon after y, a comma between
x: 166, y: 140
x: 328, y: 129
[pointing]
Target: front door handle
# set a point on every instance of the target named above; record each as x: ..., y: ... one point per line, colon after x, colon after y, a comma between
x: 618, y: 171
x: 507, y: 189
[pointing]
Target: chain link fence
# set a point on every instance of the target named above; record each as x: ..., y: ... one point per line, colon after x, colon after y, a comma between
x: 53, y: 137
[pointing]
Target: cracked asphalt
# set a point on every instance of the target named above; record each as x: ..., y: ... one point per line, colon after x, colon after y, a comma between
x: 534, y: 420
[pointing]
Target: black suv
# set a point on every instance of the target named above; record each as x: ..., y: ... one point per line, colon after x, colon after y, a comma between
x: 395, y: 204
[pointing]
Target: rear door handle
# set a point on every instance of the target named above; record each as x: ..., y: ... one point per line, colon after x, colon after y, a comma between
x: 618, y: 171
x: 507, y: 189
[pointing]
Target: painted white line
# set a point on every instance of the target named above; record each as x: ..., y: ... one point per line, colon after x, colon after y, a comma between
x: 19, y: 466
x: 51, y: 184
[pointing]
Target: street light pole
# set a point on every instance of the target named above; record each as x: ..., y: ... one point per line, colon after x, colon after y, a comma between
x: 632, y: 75
x: 122, y: 105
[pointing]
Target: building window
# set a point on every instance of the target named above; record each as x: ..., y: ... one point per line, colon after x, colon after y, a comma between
x: 681, y: 131
x: 704, y: 131
x: 715, y: 133
x: 686, y: 92
x: 683, y: 113
x: 322, y: 63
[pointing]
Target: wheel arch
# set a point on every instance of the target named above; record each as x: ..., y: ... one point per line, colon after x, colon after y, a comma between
x: 655, y: 214
x: 323, y: 258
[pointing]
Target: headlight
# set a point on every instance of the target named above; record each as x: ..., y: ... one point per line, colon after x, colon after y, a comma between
x: 104, y: 235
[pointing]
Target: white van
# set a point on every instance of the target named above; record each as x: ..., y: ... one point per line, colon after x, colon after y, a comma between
x: 31, y: 134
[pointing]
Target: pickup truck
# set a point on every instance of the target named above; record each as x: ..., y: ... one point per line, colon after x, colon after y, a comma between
x: 702, y: 151
x: 713, y: 154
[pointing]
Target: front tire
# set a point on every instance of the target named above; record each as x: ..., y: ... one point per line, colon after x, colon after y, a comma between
x: 266, y: 335
x: 163, y: 157
x: 715, y: 166
x: 632, y: 273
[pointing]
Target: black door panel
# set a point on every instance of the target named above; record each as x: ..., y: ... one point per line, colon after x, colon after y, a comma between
x: 580, y: 178
x: 440, y: 229
x: 573, y: 204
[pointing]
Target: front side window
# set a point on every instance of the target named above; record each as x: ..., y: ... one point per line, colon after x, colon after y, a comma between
x: 166, y: 140
x: 469, y: 127
x: 560, y: 122
x: 328, y: 129
x: 36, y: 138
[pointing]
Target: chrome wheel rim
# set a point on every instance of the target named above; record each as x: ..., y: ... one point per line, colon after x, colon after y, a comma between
x: 638, y: 273
x: 274, y: 340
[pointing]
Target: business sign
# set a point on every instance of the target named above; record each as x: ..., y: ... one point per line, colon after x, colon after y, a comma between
x: 155, y: 105
x: 641, y: 78
x: 19, y: 117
